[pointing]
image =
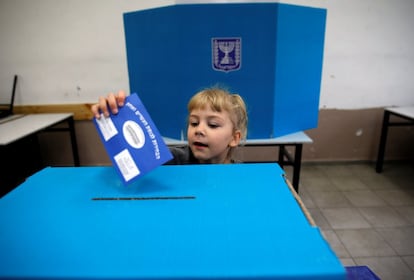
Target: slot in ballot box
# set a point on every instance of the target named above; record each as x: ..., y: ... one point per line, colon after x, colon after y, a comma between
x: 269, y: 53
x: 228, y: 221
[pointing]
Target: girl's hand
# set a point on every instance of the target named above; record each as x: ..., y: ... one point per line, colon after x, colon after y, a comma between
x: 107, y: 104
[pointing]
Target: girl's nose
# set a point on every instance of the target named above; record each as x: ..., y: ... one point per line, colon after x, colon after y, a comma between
x: 200, y: 129
x: 199, y: 133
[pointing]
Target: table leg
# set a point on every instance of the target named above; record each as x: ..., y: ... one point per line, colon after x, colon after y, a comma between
x: 296, y: 166
x: 72, y: 132
x: 282, y: 153
x: 383, y: 140
x: 294, y: 161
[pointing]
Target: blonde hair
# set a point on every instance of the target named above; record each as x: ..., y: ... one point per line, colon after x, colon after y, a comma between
x: 221, y: 100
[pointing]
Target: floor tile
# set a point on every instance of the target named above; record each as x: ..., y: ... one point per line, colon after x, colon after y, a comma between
x: 306, y: 198
x: 364, y: 198
x: 400, y: 238
x: 347, y: 261
x: 378, y: 182
x: 329, y: 199
x: 348, y: 184
x: 345, y: 218
x: 317, y: 184
x: 383, y: 217
x: 319, y: 218
x: 365, y: 216
x: 363, y: 170
x: 407, y: 212
x: 405, y: 183
x: 409, y: 260
x: 335, y: 244
x: 387, y: 268
x: 396, y: 197
x: 312, y: 170
x: 365, y: 243
x: 402, y: 174
x: 335, y: 170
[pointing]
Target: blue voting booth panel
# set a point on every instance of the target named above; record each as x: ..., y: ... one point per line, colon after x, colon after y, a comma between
x: 269, y: 53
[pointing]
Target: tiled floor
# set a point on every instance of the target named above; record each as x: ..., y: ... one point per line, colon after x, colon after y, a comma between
x: 368, y: 218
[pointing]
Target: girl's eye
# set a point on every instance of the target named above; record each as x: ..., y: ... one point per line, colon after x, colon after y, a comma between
x: 193, y: 124
x: 213, y: 125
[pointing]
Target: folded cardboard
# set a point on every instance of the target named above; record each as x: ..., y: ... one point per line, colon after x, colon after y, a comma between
x: 269, y: 53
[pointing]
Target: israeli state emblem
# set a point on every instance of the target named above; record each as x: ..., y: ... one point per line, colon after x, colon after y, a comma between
x: 226, y: 54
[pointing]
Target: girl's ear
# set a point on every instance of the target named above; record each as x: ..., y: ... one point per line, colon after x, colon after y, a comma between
x: 236, y: 139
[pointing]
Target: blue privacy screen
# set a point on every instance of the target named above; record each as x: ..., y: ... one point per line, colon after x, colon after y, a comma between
x: 269, y: 53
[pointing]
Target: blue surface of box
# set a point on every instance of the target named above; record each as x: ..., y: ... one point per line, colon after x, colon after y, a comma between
x: 132, y: 140
x: 225, y: 221
x: 269, y: 53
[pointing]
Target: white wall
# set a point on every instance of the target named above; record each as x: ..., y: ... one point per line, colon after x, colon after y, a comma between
x: 67, y: 51
x: 369, y: 54
x: 72, y: 51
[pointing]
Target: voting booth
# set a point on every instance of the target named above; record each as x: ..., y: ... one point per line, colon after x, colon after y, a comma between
x: 269, y: 53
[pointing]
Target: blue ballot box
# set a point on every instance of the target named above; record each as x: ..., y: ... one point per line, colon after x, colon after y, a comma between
x: 269, y: 53
x: 215, y: 221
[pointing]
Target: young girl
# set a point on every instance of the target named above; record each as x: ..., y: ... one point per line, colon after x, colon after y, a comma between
x: 217, y: 122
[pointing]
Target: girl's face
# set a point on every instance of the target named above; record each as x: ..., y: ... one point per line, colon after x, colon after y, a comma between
x: 211, y: 135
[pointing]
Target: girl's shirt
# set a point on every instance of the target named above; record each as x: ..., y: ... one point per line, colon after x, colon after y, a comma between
x: 183, y: 155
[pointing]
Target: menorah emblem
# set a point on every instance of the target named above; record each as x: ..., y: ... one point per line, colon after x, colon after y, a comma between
x: 226, y: 54
x: 226, y: 47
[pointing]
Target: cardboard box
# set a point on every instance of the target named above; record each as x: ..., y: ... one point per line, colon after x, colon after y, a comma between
x: 269, y: 53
